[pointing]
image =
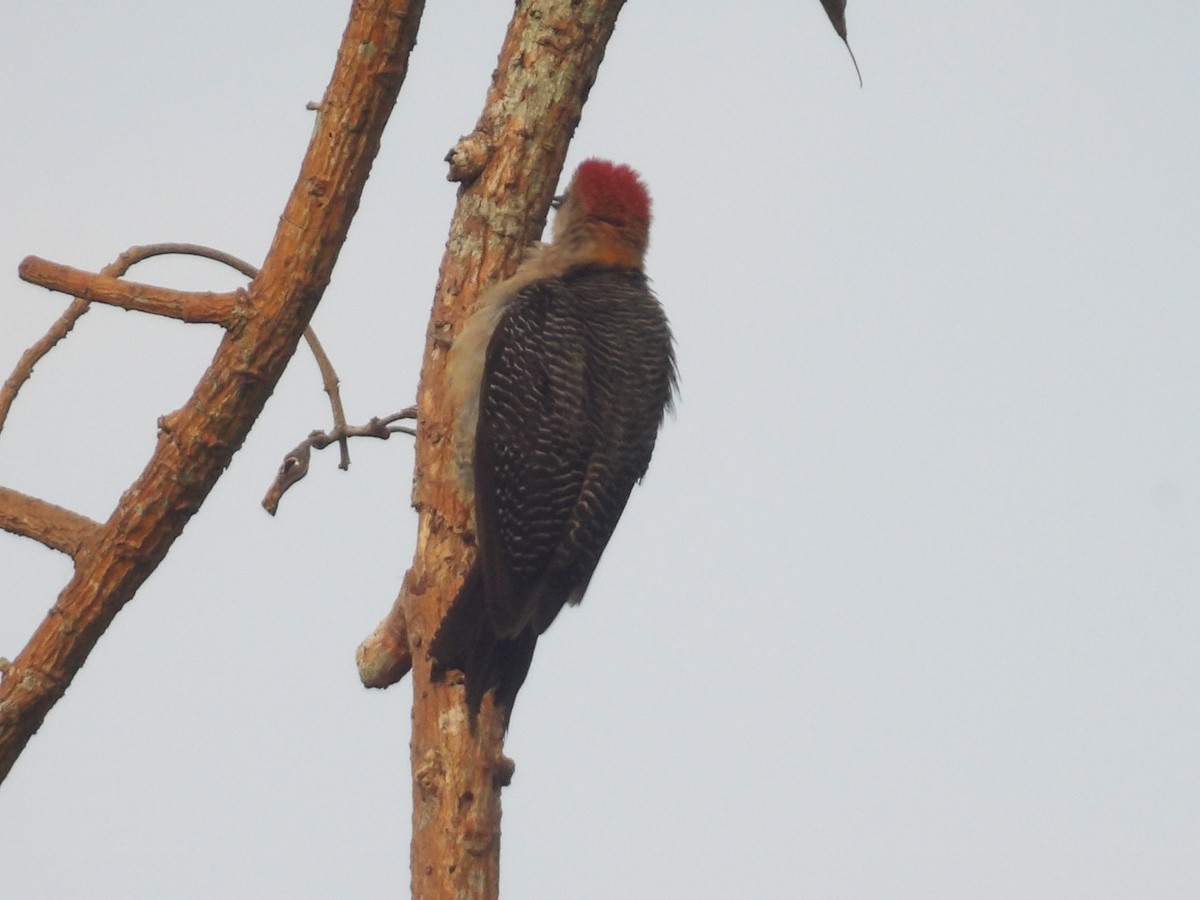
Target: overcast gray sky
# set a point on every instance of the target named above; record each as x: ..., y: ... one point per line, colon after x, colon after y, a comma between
x: 907, y: 605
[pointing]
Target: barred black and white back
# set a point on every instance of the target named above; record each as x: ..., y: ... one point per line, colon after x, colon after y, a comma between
x: 581, y: 372
x: 561, y: 378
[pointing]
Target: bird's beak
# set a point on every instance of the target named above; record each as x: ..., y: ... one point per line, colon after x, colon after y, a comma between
x: 557, y: 201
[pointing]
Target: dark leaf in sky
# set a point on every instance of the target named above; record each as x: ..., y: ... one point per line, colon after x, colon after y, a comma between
x: 836, y: 10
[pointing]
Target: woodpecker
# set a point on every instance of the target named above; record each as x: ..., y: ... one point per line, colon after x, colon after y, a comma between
x: 562, y: 377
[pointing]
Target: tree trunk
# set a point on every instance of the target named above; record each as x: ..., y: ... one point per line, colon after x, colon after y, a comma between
x: 509, y: 167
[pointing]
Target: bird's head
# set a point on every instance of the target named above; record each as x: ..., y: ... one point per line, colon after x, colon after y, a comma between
x: 604, y: 215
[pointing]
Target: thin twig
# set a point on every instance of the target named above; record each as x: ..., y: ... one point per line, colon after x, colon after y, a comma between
x: 329, y: 377
x: 145, y: 251
x: 31, y: 357
x: 295, y: 464
x: 329, y: 381
x: 63, y: 325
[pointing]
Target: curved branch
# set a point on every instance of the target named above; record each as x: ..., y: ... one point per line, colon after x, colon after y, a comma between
x: 197, y: 442
x: 57, y: 528
x: 329, y: 381
x: 329, y: 378
x: 63, y: 325
x: 23, y: 370
x: 295, y: 464
x: 143, y: 252
x: 385, y: 656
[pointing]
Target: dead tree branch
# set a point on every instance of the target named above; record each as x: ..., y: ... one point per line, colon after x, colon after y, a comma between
x: 509, y: 167
x: 146, y: 251
x: 295, y: 465
x: 385, y: 655
x: 329, y: 381
x: 63, y: 325
x: 57, y: 528
x: 22, y: 372
x: 197, y: 442
x: 201, y: 307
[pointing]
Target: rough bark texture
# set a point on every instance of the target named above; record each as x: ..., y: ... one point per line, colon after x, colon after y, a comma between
x: 190, y: 306
x: 196, y: 443
x: 510, y: 166
x: 57, y: 528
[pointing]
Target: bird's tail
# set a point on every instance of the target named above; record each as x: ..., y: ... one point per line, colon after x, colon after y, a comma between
x: 467, y: 641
